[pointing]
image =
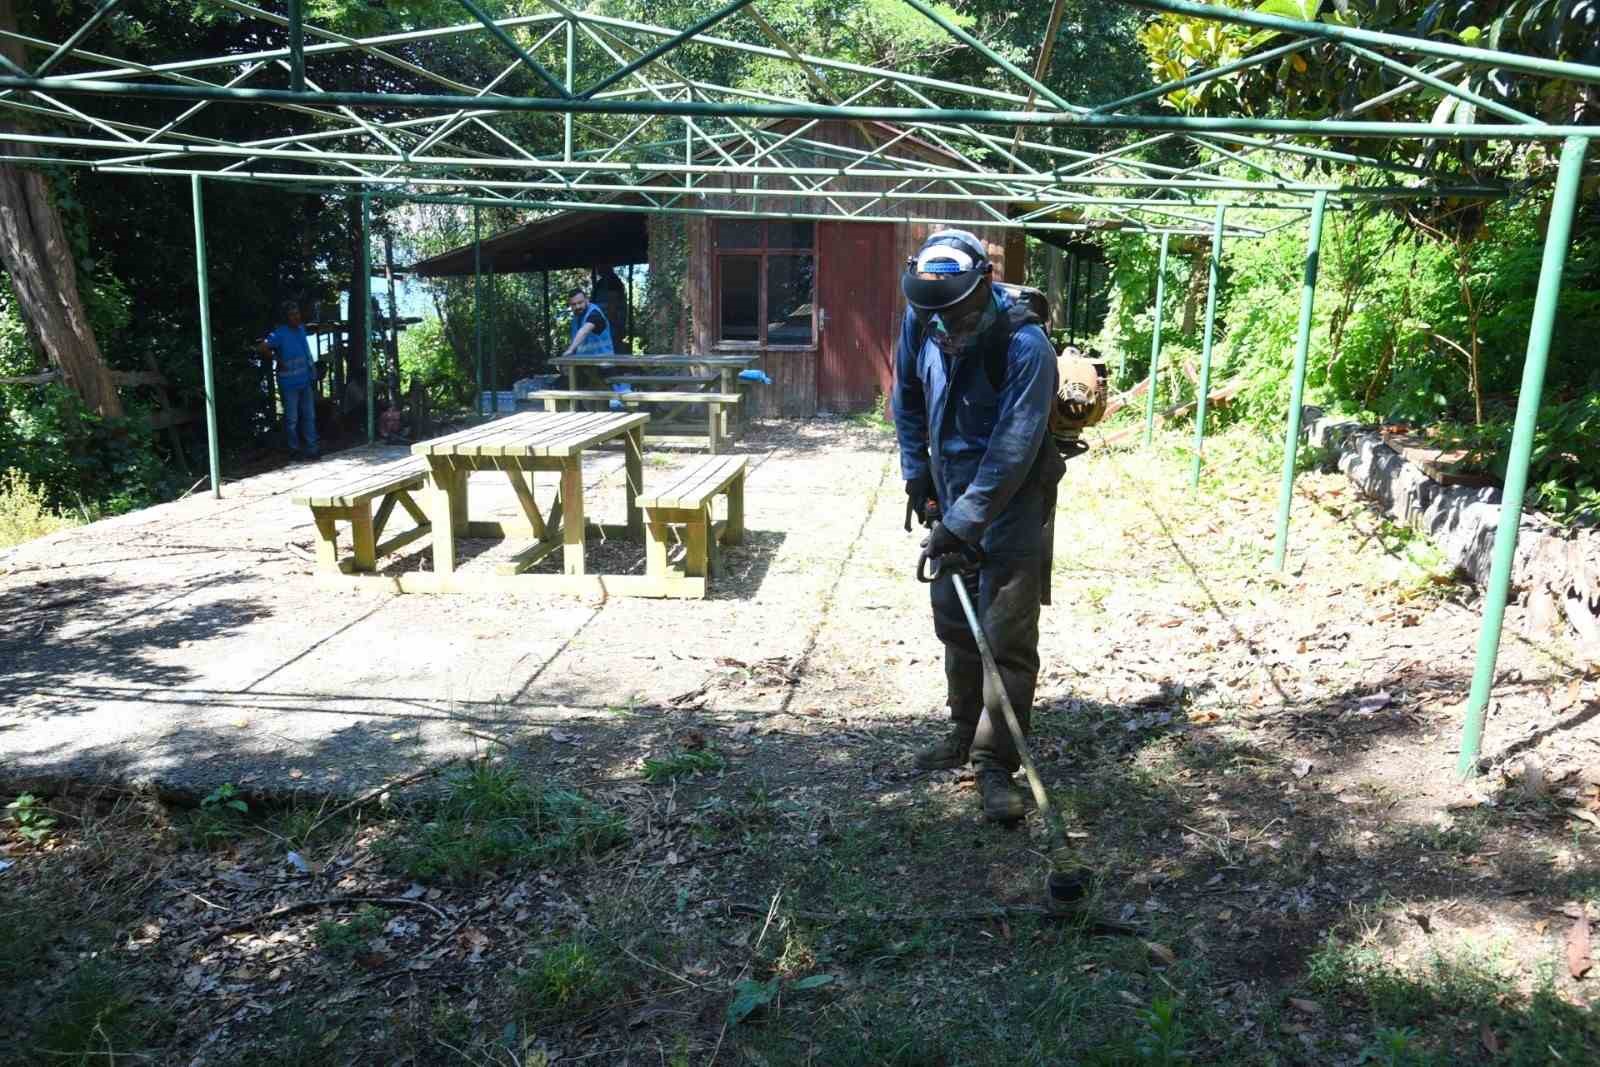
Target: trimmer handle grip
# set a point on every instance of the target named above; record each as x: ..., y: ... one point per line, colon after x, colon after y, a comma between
x: 931, y: 568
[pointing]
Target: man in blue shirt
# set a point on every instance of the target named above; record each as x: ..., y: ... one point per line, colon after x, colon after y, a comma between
x: 591, y: 333
x: 291, y: 354
x: 972, y: 401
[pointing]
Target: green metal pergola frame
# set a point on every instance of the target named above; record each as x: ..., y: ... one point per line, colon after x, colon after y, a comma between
x: 690, y: 139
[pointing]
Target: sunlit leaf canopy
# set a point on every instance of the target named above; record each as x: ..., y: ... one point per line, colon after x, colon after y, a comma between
x: 554, y: 107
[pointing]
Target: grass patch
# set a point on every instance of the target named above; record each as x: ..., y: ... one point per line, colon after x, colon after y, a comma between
x: 342, y: 940
x: 1435, y: 1013
x: 491, y: 817
x: 680, y: 765
x: 96, y: 1016
x: 570, y: 977
x: 24, y: 513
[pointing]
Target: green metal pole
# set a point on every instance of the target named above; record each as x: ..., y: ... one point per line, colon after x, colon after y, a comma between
x: 1563, y: 206
x: 494, y: 310
x: 297, y: 47
x: 366, y: 313
x: 1155, y: 341
x: 566, y: 123
x: 1205, y: 349
x: 1297, y: 388
x: 203, y: 283
x: 477, y: 301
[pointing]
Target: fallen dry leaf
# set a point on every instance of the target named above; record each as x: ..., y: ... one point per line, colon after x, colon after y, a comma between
x: 1542, y: 927
x: 1162, y: 953
x: 1310, y: 1007
x: 1578, y: 961
x: 1302, y: 767
x: 1585, y: 814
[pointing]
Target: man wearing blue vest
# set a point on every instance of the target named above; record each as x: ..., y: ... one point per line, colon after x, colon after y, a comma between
x: 591, y: 333
x: 291, y: 355
x: 974, y: 387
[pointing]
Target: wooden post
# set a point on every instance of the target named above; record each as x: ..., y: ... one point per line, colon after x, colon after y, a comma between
x: 714, y: 423
x: 695, y: 535
x: 327, y: 541
x: 442, y: 512
x: 734, y: 534
x: 633, y: 447
x: 363, y: 537
x: 572, y: 514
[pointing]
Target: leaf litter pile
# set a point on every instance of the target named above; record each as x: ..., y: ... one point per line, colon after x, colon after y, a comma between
x: 1256, y: 765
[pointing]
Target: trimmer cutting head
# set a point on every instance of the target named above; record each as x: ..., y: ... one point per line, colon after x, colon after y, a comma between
x: 1067, y: 889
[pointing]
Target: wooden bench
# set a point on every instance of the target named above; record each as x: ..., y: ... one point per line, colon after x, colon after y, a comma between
x: 352, y: 503
x: 687, y: 502
x: 716, y: 425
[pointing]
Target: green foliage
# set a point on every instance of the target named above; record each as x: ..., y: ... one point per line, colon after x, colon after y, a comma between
x: 680, y: 764
x: 24, y: 512
x: 427, y: 357
x: 572, y: 976
x: 33, y: 820
x: 224, y: 798
x: 491, y: 817
x: 343, y: 940
x: 1325, y: 79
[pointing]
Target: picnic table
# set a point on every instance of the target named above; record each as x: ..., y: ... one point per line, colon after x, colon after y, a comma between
x: 649, y: 369
x: 522, y: 445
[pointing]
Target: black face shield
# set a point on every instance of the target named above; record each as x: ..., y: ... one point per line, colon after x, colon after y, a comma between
x: 944, y: 271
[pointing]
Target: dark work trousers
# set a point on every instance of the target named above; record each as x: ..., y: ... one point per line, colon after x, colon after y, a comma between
x: 1005, y: 593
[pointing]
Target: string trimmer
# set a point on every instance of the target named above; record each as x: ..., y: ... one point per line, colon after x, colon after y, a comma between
x: 1065, y: 889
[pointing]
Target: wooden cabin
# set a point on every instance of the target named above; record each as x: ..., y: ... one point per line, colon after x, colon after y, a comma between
x: 819, y: 301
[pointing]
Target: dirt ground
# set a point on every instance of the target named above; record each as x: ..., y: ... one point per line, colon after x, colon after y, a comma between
x: 1258, y: 767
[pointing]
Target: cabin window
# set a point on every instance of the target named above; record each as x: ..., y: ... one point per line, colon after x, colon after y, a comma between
x: 766, y: 281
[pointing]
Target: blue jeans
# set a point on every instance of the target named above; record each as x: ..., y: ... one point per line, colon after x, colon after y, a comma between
x: 300, y: 417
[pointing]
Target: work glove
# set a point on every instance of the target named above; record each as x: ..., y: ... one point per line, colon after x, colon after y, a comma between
x: 920, y: 500
x: 944, y: 546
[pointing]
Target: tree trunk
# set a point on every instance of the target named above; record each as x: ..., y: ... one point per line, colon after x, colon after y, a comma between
x: 36, y: 255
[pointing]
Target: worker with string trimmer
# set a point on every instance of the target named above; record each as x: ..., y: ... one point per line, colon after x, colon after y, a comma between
x: 975, y: 399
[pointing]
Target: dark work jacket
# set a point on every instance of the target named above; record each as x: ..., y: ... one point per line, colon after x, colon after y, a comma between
x: 982, y: 445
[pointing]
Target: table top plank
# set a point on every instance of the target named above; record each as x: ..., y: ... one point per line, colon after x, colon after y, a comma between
x: 724, y: 360
x: 542, y: 433
x: 447, y: 445
x: 503, y: 430
x: 534, y: 434
x: 615, y: 425
x: 638, y: 396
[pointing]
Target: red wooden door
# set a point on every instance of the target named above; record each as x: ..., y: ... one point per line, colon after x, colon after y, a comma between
x: 858, y: 286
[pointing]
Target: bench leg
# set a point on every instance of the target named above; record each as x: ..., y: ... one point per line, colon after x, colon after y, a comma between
x: 734, y: 534
x: 551, y: 404
x: 363, y: 536
x: 696, y: 537
x: 327, y: 541
x: 658, y: 539
x: 714, y: 424
x: 442, y: 511
x: 572, y: 514
x: 633, y: 447
x: 572, y: 377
